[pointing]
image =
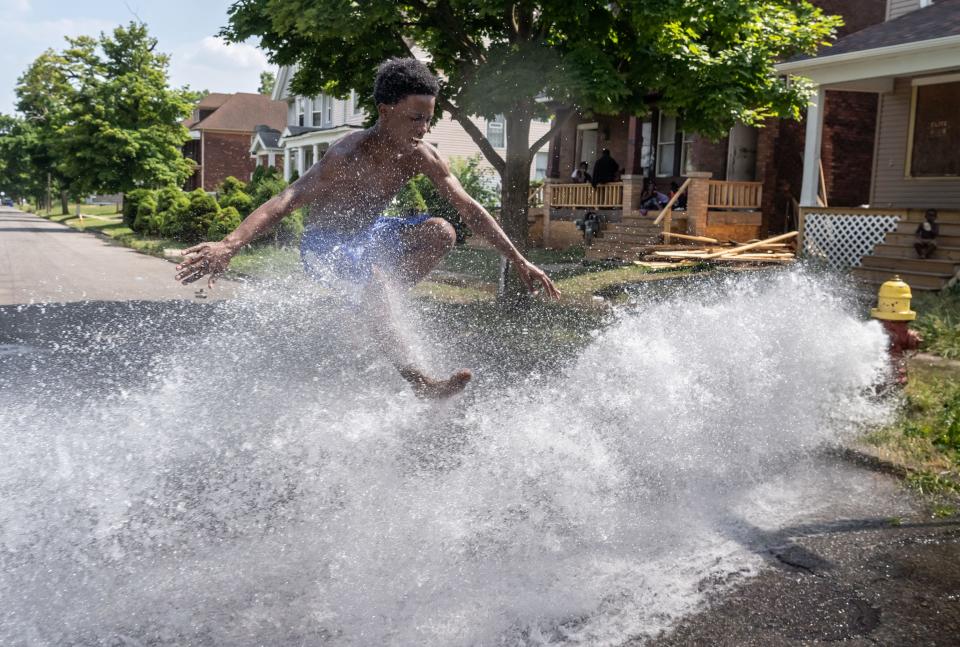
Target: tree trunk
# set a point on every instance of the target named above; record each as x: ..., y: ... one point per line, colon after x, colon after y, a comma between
x: 64, y: 201
x: 514, y: 199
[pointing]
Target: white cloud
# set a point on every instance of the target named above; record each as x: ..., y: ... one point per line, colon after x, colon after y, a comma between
x: 218, y: 66
x: 8, y: 7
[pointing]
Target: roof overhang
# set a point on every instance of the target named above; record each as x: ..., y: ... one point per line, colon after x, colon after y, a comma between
x: 326, y: 136
x: 257, y: 146
x: 908, y: 59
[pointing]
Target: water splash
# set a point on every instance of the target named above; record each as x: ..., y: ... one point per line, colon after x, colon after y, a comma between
x: 260, y: 480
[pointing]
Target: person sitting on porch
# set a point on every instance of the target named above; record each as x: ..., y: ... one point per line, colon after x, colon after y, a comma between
x: 926, y: 236
x: 581, y: 175
x: 605, y: 169
x: 681, y: 203
x: 650, y: 198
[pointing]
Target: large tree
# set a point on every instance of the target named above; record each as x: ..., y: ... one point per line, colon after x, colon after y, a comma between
x: 43, y: 93
x: 18, y: 141
x: 122, y: 124
x: 709, y: 62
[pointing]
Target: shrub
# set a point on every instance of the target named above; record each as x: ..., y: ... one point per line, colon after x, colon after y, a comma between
x: 476, y: 182
x: 290, y: 229
x: 146, y: 212
x: 195, y: 218
x: 232, y: 193
x: 222, y: 223
x: 408, y: 201
x: 131, y: 203
x: 265, y: 184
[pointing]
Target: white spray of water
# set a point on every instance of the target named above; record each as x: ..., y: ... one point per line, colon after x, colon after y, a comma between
x: 269, y: 485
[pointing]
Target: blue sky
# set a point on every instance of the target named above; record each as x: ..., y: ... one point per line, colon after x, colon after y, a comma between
x: 186, y: 30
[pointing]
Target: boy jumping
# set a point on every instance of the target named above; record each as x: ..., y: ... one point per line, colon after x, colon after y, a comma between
x: 346, y: 238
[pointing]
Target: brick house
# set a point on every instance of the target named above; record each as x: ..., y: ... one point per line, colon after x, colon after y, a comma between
x: 221, y: 129
x: 760, y: 164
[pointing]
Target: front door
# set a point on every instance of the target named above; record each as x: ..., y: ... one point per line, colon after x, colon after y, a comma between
x: 742, y: 154
x: 588, y: 147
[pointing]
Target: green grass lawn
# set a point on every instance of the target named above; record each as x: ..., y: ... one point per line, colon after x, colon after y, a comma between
x: 938, y: 321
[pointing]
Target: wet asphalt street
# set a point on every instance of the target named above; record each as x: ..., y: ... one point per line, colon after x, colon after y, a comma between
x: 878, y: 570
x: 46, y: 262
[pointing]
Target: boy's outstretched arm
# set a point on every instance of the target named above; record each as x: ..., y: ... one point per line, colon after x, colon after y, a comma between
x: 212, y: 258
x: 483, y: 224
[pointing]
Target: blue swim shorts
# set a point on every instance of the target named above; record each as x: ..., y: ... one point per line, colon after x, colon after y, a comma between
x: 328, y: 256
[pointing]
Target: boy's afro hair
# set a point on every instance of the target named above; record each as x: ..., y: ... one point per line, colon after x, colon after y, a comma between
x: 400, y: 77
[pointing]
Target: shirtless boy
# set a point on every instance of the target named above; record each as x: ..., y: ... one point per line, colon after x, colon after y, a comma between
x: 346, y: 239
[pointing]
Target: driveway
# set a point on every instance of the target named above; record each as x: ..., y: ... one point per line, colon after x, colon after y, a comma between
x: 46, y: 262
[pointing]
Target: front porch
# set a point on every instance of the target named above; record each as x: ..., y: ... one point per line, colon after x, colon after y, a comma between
x: 911, y: 65
x: 718, y: 209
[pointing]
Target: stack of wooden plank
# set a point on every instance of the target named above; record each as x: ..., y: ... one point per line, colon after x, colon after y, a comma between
x: 771, y: 250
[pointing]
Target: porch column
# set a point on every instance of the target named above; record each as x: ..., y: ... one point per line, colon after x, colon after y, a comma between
x: 811, y: 152
x: 271, y: 159
x: 301, y: 158
x: 632, y: 188
x: 287, y: 167
x: 698, y: 196
x: 316, y: 153
x: 634, y: 147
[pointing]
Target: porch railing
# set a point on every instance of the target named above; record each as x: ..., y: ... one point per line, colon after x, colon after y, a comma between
x: 605, y: 196
x: 723, y: 194
x: 535, y: 196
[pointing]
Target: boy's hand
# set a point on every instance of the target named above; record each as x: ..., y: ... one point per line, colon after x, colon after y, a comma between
x: 202, y: 259
x: 533, y: 277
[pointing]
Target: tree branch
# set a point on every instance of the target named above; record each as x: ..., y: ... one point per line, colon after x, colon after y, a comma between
x: 488, y: 151
x: 537, y: 145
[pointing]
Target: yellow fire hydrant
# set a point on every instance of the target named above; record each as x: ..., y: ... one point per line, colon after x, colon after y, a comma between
x: 893, y: 310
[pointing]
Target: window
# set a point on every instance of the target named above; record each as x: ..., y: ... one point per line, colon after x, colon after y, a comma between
x: 327, y: 110
x: 540, y: 166
x: 935, y: 134
x: 666, y: 148
x: 355, y: 102
x: 495, y: 131
x: 666, y: 145
x: 317, y: 115
x: 300, y: 109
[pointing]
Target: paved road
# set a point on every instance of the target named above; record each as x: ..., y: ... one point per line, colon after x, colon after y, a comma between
x: 45, y: 262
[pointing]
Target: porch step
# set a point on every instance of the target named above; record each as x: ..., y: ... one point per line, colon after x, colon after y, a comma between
x: 902, y: 238
x: 943, y: 217
x: 916, y: 280
x: 945, y: 268
x: 946, y: 229
x: 943, y: 253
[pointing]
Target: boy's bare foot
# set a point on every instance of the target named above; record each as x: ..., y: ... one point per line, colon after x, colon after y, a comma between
x: 427, y: 387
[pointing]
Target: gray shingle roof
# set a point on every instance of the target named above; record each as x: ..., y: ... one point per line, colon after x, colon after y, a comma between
x: 939, y: 20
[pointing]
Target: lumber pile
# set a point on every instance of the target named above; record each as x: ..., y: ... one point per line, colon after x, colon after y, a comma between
x: 770, y: 250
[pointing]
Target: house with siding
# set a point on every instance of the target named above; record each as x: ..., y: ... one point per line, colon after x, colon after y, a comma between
x: 909, y: 66
x: 221, y: 127
x: 313, y: 124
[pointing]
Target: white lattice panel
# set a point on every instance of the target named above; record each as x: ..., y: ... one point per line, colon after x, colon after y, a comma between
x: 844, y: 239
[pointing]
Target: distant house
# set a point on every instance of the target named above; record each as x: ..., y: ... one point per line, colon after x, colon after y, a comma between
x: 265, y: 147
x: 314, y: 123
x: 221, y: 128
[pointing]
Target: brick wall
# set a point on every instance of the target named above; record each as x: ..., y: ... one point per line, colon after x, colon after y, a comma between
x: 849, y: 128
x: 857, y: 14
x: 225, y: 154
x: 710, y: 156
